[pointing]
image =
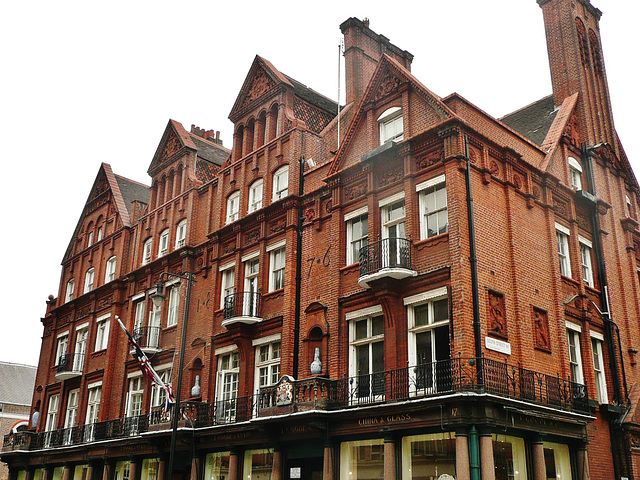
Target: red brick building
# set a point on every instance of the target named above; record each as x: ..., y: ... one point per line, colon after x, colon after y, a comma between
x: 407, y: 289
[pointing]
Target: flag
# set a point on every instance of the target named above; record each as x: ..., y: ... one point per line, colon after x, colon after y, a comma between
x: 145, y: 365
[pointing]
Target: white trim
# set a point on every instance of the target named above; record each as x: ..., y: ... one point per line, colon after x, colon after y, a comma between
x: 573, y: 326
x: 63, y: 334
x: 356, y: 213
x: 431, y: 182
x: 563, y: 229
x: 96, y: 384
x: 104, y: 317
x: 268, y: 339
x: 173, y: 281
x: 138, y: 296
x: 277, y: 245
x: 596, y: 335
x: 424, y: 296
x: 224, y: 350
x: 250, y: 256
x: 389, y: 200
x: 575, y: 164
x: 164, y: 366
x: 585, y: 242
x: 83, y: 325
x: 363, y: 312
x: 134, y: 374
x: 227, y: 266
x: 388, y: 113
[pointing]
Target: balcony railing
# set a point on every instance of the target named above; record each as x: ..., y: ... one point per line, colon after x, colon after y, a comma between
x: 429, y: 380
x: 242, y: 307
x: 70, y: 365
x: 148, y: 338
x: 389, y: 257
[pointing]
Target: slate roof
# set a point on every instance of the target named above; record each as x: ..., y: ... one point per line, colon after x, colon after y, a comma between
x: 16, y: 383
x: 313, y: 97
x: 212, y: 152
x: 533, y: 121
x: 131, y: 191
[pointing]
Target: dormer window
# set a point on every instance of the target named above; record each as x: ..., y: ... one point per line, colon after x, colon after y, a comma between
x: 391, y: 125
x: 575, y: 173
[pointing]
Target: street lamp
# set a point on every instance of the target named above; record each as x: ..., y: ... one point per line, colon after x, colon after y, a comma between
x: 158, y: 298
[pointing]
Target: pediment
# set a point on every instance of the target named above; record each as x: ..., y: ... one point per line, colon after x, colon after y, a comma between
x: 174, y: 139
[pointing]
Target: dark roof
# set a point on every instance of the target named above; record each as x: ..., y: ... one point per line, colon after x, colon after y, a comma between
x: 16, y: 383
x: 212, y: 152
x: 533, y: 121
x: 132, y: 191
x: 313, y: 97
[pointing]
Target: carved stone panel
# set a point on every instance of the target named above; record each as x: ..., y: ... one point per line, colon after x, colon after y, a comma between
x: 497, y: 315
x: 541, y: 330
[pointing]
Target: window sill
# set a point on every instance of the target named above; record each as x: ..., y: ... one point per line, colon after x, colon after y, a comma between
x: 436, y: 239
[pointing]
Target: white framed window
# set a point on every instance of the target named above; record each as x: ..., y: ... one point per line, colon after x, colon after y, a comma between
x: 146, y: 251
x: 88, y: 279
x: 575, y: 355
x: 357, y: 233
x: 434, y: 215
x: 575, y: 173
x: 134, y: 396
x: 391, y: 125
x: 597, y: 341
x: 393, y: 216
x: 255, y: 195
x: 227, y: 282
x: 251, y: 290
x: 70, y: 417
x: 153, y: 332
x: 585, y: 260
x: 82, y: 333
x: 227, y: 385
x: 99, y: 234
x: 63, y: 344
x: 163, y: 243
x: 181, y: 233
x: 138, y: 318
x: 428, y: 340
x: 233, y: 207
x: 267, y: 364
x: 562, y: 237
x: 102, y: 332
x: 276, y: 268
x: 627, y: 199
x: 93, y: 408
x: 52, y: 413
x: 366, y: 353
x: 71, y: 286
x: 110, y: 271
x: 159, y: 394
x: 281, y: 183
x: 90, y: 239
x: 174, y: 301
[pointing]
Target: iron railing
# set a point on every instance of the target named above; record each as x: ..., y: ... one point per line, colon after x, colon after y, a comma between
x: 385, y: 253
x: 242, y: 304
x: 70, y: 363
x: 481, y: 375
x: 147, y: 337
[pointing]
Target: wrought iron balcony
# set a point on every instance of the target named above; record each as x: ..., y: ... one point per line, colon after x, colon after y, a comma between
x: 386, y: 258
x: 148, y: 338
x: 242, y: 307
x: 70, y: 365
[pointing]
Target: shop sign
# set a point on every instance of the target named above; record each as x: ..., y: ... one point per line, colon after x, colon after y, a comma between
x: 498, y: 345
x: 295, y: 472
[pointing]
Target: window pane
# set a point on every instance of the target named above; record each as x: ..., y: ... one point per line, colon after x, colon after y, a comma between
x: 377, y: 326
x: 361, y: 329
x: 421, y: 315
x: 362, y: 360
x: 377, y: 356
x: 428, y: 456
x: 440, y: 310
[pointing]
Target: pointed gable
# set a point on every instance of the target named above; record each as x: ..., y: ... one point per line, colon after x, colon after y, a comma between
x: 174, y: 140
x: 390, y: 79
x: 263, y: 78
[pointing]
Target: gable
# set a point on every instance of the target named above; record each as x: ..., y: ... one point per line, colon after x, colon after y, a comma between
x: 174, y: 139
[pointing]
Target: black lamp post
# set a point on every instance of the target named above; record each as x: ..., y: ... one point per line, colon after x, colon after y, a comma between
x: 158, y: 298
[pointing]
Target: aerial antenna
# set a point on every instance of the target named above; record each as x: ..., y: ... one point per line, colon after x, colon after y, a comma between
x: 340, y: 53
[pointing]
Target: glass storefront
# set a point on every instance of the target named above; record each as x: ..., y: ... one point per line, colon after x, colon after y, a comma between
x: 122, y: 470
x: 22, y: 474
x: 510, y: 457
x: 81, y: 472
x: 557, y: 461
x: 362, y: 460
x: 216, y: 466
x: 257, y: 464
x: 38, y: 473
x: 150, y: 469
x: 427, y: 457
x: 57, y: 473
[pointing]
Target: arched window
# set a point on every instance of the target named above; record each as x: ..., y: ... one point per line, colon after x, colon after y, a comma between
x: 181, y: 233
x: 146, y: 251
x: 110, y: 272
x: 391, y: 125
x: 255, y: 195
x: 233, y: 207
x: 71, y: 286
x: 90, y: 234
x: 88, y: 280
x: 163, y: 244
x: 281, y: 183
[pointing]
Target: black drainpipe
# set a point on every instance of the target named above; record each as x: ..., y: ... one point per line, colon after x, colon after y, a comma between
x: 296, y: 327
x: 473, y: 260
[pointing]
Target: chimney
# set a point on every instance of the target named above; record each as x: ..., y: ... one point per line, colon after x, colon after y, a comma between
x: 210, y: 135
x: 363, y: 50
x: 577, y: 65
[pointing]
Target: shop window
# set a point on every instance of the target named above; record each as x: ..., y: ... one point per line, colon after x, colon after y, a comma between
x: 150, y: 469
x: 88, y: 280
x: 163, y: 244
x: 575, y: 173
x: 110, y: 271
x: 71, y: 286
x: 122, y: 470
x: 233, y: 207
x: 429, y: 351
x: 281, y: 183
x: 362, y: 459
x: 146, y: 251
x: 391, y: 125
x: 434, y: 216
x: 181, y: 233
x: 575, y: 356
x: 357, y: 234
x: 585, y: 258
x: 366, y: 356
x: 562, y: 236
x: 509, y: 458
x: 428, y: 456
x: 255, y: 195
x: 258, y: 463
x: 557, y: 461
x: 216, y: 466
x: 597, y: 341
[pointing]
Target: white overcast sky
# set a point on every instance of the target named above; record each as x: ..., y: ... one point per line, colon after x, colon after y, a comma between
x: 85, y: 82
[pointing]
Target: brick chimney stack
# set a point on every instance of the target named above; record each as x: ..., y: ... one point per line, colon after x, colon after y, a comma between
x: 577, y: 65
x: 363, y: 49
x: 212, y: 136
